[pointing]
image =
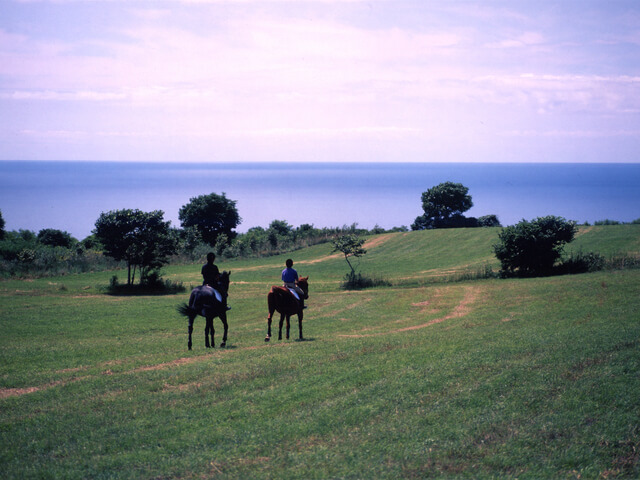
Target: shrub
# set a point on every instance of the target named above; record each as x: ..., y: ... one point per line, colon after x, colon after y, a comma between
x: 531, y: 248
x: 153, y: 285
x: 606, y: 222
x: 623, y: 261
x: 356, y: 281
x: 582, y: 263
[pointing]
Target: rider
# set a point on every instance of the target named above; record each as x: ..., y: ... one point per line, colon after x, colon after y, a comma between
x: 211, y: 276
x: 289, y: 277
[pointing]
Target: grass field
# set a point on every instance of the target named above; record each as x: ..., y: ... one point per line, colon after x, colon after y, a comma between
x: 431, y: 377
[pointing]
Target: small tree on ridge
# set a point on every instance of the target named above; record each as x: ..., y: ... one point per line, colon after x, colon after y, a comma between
x: 443, y: 207
x: 351, y: 246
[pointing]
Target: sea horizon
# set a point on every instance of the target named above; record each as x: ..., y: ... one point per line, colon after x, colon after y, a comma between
x: 69, y: 195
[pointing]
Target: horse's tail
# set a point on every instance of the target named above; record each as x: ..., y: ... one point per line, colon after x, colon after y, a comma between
x: 272, y: 296
x: 186, y: 310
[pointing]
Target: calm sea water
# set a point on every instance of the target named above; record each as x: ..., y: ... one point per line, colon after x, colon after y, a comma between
x: 71, y: 195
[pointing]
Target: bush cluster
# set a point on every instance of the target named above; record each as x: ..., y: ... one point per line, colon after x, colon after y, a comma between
x: 278, y: 238
x: 52, y: 252
x: 25, y: 254
x: 152, y: 285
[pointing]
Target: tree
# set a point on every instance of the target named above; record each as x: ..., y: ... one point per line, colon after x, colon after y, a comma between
x: 489, y: 221
x: 212, y: 215
x: 280, y: 234
x: 532, y: 248
x: 141, y: 239
x: 351, y: 246
x: 443, y: 207
x: 55, y: 238
x: 2, y: 231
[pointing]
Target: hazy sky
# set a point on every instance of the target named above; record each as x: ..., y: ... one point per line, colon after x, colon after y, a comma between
x: 320, y: 80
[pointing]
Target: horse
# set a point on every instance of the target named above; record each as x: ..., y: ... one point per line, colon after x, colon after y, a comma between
x: 203, y: 301
x: 282, y: 300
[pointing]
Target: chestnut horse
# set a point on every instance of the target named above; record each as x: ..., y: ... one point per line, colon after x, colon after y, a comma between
x: 203, y: 302
x: 282, y: 300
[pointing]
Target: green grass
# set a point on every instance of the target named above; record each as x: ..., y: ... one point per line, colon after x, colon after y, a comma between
x: 520, y: 378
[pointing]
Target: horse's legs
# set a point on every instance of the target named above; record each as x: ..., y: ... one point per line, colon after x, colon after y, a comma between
x: 213, y: 333
x: 280, y: 329
x: 268, y: 337
x: 208, y: 327
x: 191, y: 319
x: 288, y: 325
x: 272, y: 309
x: 300, y: 324
x: 223, y: 317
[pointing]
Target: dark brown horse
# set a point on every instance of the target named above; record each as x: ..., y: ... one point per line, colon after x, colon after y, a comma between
x: 282, y: 300
x: 203, y: 301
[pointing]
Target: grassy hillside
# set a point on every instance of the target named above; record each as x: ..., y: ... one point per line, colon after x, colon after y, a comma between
x: 534, y: 378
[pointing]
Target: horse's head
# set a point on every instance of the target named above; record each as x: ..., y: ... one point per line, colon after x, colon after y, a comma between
x: 303, y: 283
x: 224, y: 281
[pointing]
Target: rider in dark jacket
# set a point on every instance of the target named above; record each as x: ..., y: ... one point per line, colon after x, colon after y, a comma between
x: 211, y: 276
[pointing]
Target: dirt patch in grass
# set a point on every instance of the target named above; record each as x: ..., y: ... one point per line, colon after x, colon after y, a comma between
x: 460, y: 310
x: 173, y: 363
x: 16, y: 392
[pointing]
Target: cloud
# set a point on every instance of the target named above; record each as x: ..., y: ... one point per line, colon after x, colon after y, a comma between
x: 526, y: 39
x: 573, y: 133
x: 578, y: 93
x: 277, y: 61
x: 405, y: 71
x: 81, y: 95
x: 333, y: 132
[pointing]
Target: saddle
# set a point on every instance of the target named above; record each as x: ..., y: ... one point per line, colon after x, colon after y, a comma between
x: 291, y: 291
x: 216, y: 293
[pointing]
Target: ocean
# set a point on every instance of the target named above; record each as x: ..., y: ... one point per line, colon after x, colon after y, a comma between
x: 70, y: 196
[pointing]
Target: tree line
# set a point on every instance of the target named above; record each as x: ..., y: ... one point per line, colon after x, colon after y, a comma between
x: 144, y: 241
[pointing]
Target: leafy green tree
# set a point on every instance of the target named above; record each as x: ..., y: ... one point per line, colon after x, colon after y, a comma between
x: 212, y: 215
x: 55, y: 238
x: 443, y: 207
x: 189, y: 241
x: 350, y: 246
x: 532, y: 248
x: 222, y: 243
x: 280, y: 234
x: 91, y: 243
x: 139, y: 238
x: 256, y: 238
x: 489, y: 221
x: 2, y: 231
x: 281, y: 227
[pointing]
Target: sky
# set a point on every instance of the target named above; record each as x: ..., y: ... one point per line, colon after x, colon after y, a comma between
x: 320, y: 80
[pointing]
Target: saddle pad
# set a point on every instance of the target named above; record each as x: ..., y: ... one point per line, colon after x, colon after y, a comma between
x: 294, y: 293
x: 217, y: 294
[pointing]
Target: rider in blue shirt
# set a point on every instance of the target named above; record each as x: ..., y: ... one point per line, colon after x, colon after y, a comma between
x: 289, y: 278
